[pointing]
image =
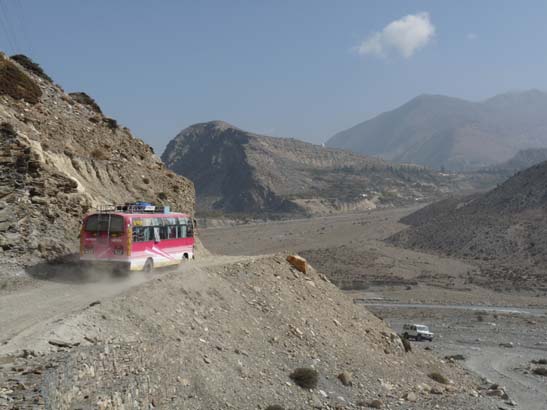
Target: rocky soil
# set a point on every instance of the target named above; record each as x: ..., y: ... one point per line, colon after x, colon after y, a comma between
x: 237, y: 172
x: 408, y: 286
x: 60, y: 157
x: 229, y: 336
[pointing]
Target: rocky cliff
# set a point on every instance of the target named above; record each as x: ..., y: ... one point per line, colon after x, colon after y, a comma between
x: 236, y: 171
x: 60, y: 158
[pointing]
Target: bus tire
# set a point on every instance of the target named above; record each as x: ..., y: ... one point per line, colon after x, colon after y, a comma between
x: 148, y: 266
x: 185, y: 257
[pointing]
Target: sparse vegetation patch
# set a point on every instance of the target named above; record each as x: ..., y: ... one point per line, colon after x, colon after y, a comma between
x: 17, y: 84
x: 99, y: 154
x: 31, y: 66
x: 439, y: 378
x: 111, y: 123
x: 86, y: 100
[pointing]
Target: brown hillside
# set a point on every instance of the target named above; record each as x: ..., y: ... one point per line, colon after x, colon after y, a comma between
x: 505, y: 230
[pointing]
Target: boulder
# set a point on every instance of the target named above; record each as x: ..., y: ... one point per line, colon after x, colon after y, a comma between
x: 298, y: 263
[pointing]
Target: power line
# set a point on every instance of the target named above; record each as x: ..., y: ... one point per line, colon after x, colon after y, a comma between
x: 20, y: 15
x: 10, y: 36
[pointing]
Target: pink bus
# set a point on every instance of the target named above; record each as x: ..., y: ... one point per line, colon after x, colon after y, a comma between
x: 137, y: 236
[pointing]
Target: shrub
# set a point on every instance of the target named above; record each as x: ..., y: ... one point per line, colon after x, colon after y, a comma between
x: 455, y: 357
x: 99, y: 154
x: 17, y: 84
x: 162, y: 196
x: 146, y: 180
x: 439, y: 378
x: 540, y: 361
x: 540, y: 371
x: 305, y: 377
x: 86, y: 100
x: 111, y: 123
x: 31, y: 66
x: 406, y: 344
x: 375, y: 404
x: 7, y: 130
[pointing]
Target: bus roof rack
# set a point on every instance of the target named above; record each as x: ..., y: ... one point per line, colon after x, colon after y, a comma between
x: 134, y: 208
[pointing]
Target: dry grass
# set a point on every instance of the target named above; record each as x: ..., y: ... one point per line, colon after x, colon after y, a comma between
x: 31, y: 66
x: 99, y: 154
x: 17, y: 84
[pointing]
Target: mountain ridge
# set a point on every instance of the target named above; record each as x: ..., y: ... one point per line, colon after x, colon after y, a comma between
x: 441, y: 131
x: 239, y: 172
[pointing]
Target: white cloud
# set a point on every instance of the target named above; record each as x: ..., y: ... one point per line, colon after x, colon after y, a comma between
x: 405, y: 36
x: 471, y: 36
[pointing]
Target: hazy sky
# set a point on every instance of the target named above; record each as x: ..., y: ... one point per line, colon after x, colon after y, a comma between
x: 304, y: 69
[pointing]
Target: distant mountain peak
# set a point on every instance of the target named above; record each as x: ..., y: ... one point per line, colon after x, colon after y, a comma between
x: 446, y: 132
x: 216, y: 124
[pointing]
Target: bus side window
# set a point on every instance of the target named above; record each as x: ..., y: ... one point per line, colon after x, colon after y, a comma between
x: 138, y: 234
x: 171, y: 232
x: 190, y: 229
x: 163, y: 232
x: 182, y: 233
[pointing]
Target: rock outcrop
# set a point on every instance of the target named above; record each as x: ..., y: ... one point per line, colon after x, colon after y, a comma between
x: 236, y: 171
x: 59, y: 159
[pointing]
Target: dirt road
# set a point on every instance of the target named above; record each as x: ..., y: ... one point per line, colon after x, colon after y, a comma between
x: 33, y: 314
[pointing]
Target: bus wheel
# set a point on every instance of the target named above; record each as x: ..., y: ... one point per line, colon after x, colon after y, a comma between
x: 148, y: 265
x: 185, y: 257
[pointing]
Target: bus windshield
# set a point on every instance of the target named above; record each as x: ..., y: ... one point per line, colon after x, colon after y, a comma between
x: 104, y: 223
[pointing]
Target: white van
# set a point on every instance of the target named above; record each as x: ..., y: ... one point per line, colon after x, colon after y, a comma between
x: 417, y: 332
